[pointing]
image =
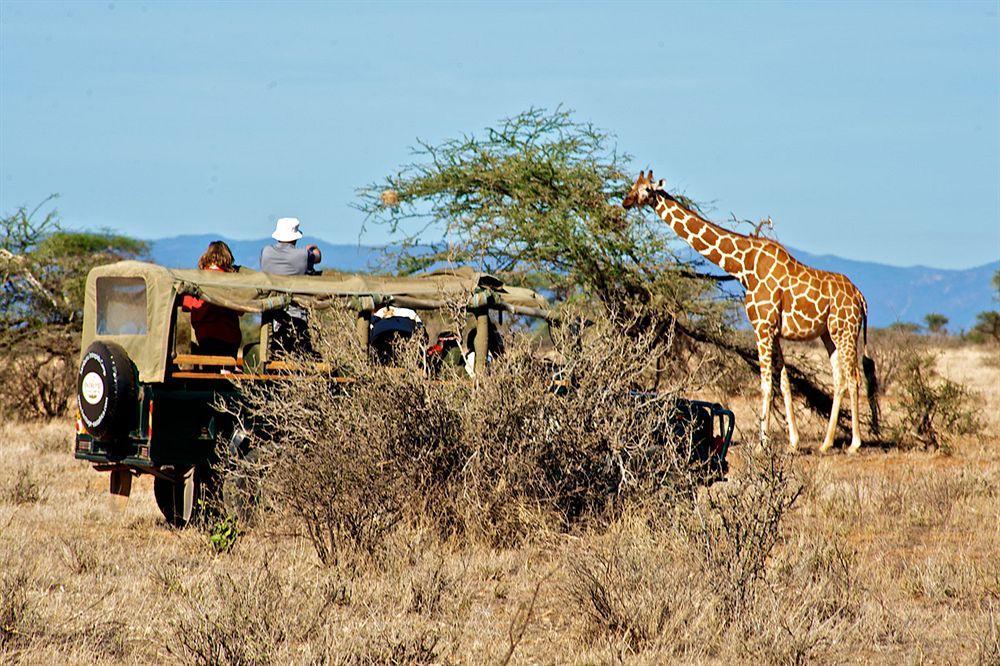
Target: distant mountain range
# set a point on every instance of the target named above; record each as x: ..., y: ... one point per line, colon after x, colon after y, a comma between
x: 893, y: 293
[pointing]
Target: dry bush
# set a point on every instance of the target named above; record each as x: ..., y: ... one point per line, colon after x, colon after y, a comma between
x: 931, y: 410
x: 684, y: 582
x: 347, y: 463
x: 737, y: 525
x: 538, y: 455
x: 893, y: 349
x: 234, y: 620
x: 637, y: 591
x: 390, y: 645
x: 812, y: 601
x: 25, y: 488
x: 15, y: 611
x: 500, y: 460
x: 38, y: 375
x: 989, y: 644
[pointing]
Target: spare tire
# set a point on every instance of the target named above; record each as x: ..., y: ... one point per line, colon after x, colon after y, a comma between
x: 107, y: 391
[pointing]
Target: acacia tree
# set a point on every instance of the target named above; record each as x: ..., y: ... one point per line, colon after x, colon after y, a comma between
x: 44, y: 269
x: 936, y: 323
x: 537, y: 199
x: 987, y: 327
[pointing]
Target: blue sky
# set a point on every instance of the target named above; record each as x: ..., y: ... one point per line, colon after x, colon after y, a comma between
x: 870, y: 131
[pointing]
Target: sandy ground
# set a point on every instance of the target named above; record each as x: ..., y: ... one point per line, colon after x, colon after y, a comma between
x: 89, y: 578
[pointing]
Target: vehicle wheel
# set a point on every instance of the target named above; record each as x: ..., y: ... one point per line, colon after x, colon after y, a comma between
x: 107, y: 391
x: 180, y: 499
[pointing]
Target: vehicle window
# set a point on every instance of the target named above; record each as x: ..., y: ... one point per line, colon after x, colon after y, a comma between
x: 121, y: 306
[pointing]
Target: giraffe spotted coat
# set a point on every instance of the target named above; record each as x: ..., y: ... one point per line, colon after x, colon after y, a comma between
x: 784, y: 299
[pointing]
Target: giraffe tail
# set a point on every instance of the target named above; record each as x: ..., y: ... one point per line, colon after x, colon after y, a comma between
x: 871, y: 379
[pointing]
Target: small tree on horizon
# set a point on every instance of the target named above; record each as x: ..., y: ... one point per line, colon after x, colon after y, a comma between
x: 987, y: 326
x: 936, y: 323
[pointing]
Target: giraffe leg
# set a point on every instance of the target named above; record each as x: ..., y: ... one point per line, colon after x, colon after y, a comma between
x: 765, y: 347
x: 852, y: 375
x: 838, y: 392
x: 786, y: 391
x: 778, y: 363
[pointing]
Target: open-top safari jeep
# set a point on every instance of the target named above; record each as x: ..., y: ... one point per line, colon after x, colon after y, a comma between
x: 147, y: 405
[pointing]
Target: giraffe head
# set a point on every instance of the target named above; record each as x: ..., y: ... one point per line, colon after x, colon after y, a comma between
x: 643, y: 191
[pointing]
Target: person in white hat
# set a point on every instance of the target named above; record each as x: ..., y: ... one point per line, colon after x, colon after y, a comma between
x: 284, y: 258
x: 290, y: 329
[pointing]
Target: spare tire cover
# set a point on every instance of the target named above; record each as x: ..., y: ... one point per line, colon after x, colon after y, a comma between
x: 106, y: 391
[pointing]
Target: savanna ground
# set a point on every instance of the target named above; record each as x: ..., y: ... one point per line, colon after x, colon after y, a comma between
x: 887, y: 556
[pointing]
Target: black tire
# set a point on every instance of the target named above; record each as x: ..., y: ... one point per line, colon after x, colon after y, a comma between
x: 107, y: 391
x: 180, y: 499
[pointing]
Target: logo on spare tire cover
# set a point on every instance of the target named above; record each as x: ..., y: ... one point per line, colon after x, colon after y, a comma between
x: 92, y: 388
x: 93, y: 394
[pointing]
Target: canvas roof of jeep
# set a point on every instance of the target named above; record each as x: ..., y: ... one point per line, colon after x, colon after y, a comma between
x: 132, y: 302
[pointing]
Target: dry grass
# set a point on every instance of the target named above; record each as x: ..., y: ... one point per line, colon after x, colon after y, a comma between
x: 889, y: 556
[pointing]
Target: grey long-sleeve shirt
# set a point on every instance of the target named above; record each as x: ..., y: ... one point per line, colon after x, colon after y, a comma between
x: 285, y: 259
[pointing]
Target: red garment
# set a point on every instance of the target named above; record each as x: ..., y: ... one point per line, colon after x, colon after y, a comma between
x: 212, y: 321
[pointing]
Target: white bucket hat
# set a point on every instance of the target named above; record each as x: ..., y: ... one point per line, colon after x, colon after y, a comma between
x: 286, y: 230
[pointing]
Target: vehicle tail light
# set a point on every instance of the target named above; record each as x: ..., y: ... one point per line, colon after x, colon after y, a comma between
x: 149, y: 421
x: 80, y: 429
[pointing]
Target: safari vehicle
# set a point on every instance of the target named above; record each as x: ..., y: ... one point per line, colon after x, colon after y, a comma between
x: 146, y: 404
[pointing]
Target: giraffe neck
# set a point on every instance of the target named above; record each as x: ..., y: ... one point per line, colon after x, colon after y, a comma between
x: 729, y: 251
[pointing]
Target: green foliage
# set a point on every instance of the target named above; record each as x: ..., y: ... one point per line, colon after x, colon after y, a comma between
x: 224, y: 534
x: 903, y: 328
x: 932, y: 409
x: 936, y: 322
x: 44, y: 270
x: 538, y: 196
x: 987, y: 327
x: 44, y: 267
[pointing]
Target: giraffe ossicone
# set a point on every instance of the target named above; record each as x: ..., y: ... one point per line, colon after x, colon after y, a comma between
x: 785, y: 299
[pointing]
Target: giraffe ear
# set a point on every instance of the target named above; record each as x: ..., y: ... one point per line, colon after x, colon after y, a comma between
x: 649, y: 178
x: 661, y: 185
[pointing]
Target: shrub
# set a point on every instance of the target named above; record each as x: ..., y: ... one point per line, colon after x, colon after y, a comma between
x: 38, y: 374
x: 932, y: 409
x: 224, y: 533
x: 936, y: 323
x: 736, y: 527
x: 678, y: 582
x: 501, y: 459
x: 14, y: 608
x: 986, y: 328
x: 25, y: 488
x: 891, y: 349
x: 637, y: 591
x: 238, y: 620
